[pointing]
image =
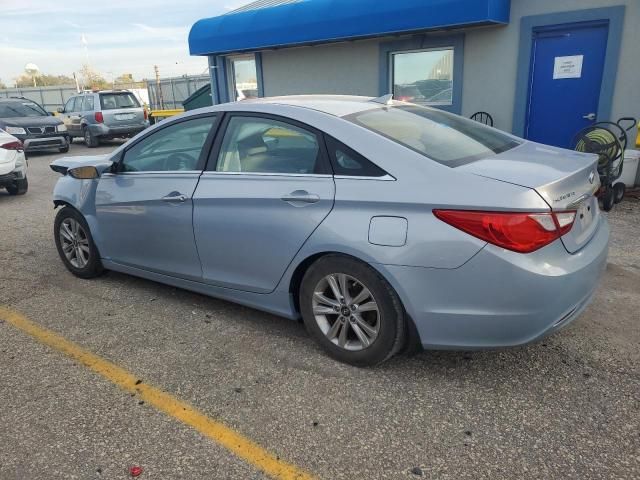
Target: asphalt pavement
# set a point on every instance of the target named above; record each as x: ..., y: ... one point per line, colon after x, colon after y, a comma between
x: 565, y: 407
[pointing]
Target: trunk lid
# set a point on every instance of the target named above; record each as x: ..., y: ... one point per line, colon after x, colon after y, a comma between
x: 565, y: 179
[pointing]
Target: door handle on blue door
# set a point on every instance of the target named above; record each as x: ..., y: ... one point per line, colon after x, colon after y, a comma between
x: 174, y: 197
x: 301, y: 197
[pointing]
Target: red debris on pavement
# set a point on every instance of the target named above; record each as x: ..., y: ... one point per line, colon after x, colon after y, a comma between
x: 135, y: 471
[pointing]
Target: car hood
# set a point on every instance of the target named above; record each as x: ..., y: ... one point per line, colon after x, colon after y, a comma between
x: 61, y: 165
x: 30, y: 121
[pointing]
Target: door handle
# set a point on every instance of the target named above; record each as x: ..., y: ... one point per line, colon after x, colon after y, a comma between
x: 589, y: 116
x: 301, y: 197
x: 174, y: 197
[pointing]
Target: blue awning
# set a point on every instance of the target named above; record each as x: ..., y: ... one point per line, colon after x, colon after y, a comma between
x: 309, y: 22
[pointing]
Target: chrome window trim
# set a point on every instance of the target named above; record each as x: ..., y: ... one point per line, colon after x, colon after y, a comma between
x: 384, y: 178
x: 267, y: 174
x: 153, y: 172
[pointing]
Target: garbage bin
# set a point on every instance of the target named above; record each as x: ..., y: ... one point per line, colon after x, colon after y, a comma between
x: 630, y: 168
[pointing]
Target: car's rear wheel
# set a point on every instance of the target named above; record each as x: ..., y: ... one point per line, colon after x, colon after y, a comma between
x: 618, y: 192
x: 90, y: 140
x: 19, y: 187
x: 75, y: 244
x: 608, y: 198
x: 352, y: 311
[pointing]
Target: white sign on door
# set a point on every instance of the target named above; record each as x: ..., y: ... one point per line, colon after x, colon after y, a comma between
x: 568, y: 67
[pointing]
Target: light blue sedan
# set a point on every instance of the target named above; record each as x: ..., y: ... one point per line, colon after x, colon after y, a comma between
x: 384, y: 225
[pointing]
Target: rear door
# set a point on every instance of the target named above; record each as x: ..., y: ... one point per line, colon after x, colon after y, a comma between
x: 267, y: 187
x: 145, y: 209
x: 121, y: 109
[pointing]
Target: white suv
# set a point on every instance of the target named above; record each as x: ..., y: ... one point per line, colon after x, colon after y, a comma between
x: 13, y: 165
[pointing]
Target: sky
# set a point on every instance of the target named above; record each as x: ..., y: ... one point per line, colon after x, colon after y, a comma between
x: 122, y: 36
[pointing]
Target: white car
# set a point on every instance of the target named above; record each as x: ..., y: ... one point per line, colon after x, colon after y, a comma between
x: 13, y: 165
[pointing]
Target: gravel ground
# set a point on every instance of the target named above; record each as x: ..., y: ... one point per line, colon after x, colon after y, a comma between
x: 566, y: 407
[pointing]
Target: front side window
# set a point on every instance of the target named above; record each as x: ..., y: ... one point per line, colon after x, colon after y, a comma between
x: 423, y: 77
x: 262, y: 145
x: 114, y: 101
x: 174, y: 148
x: 244, y: 78
x: 20, y: 109
x: 68, y: 107
x: 440, y: 136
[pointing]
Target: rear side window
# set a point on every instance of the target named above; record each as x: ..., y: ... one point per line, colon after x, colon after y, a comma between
x: 348, y: 162
x: 87, y: 103
x: 114, y: 101
x: 264, y: 145
x: 446, y: 138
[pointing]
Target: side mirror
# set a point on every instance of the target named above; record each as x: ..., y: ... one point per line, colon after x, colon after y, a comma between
x: 60, y: 110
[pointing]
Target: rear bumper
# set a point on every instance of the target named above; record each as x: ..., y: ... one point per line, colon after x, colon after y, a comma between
x: 105, y: 131
x: 501, y: 298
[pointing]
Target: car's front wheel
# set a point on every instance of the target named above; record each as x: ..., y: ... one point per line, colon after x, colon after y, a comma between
x: 75, y: 244
x: 352, y: 311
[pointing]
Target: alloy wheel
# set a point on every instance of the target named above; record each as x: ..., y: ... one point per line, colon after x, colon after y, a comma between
x: 74, y: 242
x: 346, y: 311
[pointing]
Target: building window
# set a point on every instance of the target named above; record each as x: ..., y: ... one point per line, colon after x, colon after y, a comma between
x: 243, y: 78
x: 424, y: 77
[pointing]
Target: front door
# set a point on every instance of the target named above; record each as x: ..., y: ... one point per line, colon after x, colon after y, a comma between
x: 566, y: 76
x: 267, y: 190
x: 145, y: 209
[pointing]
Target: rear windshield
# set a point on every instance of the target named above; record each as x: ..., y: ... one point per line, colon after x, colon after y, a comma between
x: 21, y: 109
x: 446, y: 138
x: 113, y: 101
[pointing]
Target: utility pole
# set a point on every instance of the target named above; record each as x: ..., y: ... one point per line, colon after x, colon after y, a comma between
x: 158, y: 87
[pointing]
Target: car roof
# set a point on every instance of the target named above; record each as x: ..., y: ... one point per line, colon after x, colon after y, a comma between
x: 338, y: 105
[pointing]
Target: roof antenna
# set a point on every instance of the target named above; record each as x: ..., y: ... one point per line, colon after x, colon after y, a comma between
x: 385, y: 99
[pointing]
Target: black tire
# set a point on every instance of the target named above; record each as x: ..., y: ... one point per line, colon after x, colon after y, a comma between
x: 90, y: 140
x: 93, y: 267
x: 608, y: 198
x: 64, y: 149
x: 70, y: 139
x: 391, y: 322
x: 19, y: 187
x: 618, y: 192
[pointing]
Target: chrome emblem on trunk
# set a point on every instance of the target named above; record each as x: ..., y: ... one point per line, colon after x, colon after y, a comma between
x: 592, y: 177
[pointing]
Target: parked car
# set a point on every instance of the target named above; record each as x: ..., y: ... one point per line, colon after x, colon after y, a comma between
x: 32, y: 125
x: 96, y: 116
x: 13, y: 165
x: 381, y: 223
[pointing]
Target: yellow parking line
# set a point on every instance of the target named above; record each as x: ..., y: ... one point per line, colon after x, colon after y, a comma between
x: 233, y: 441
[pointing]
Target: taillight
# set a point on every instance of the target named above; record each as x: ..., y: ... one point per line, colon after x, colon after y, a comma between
x: 516, y: 231
x: 99, y: 118
x: 17, y: 145
x: 146, y: 115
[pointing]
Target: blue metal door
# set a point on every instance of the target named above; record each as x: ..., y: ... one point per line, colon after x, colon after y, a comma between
x: 564, y: 87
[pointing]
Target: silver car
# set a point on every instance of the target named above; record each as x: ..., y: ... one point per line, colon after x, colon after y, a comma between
x: 96, y: 116
x: 382, y: 224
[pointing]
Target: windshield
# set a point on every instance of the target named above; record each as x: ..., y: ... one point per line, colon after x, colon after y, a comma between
x: 113, y: 101
x: 21, y: 109
x: 446, y: 138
